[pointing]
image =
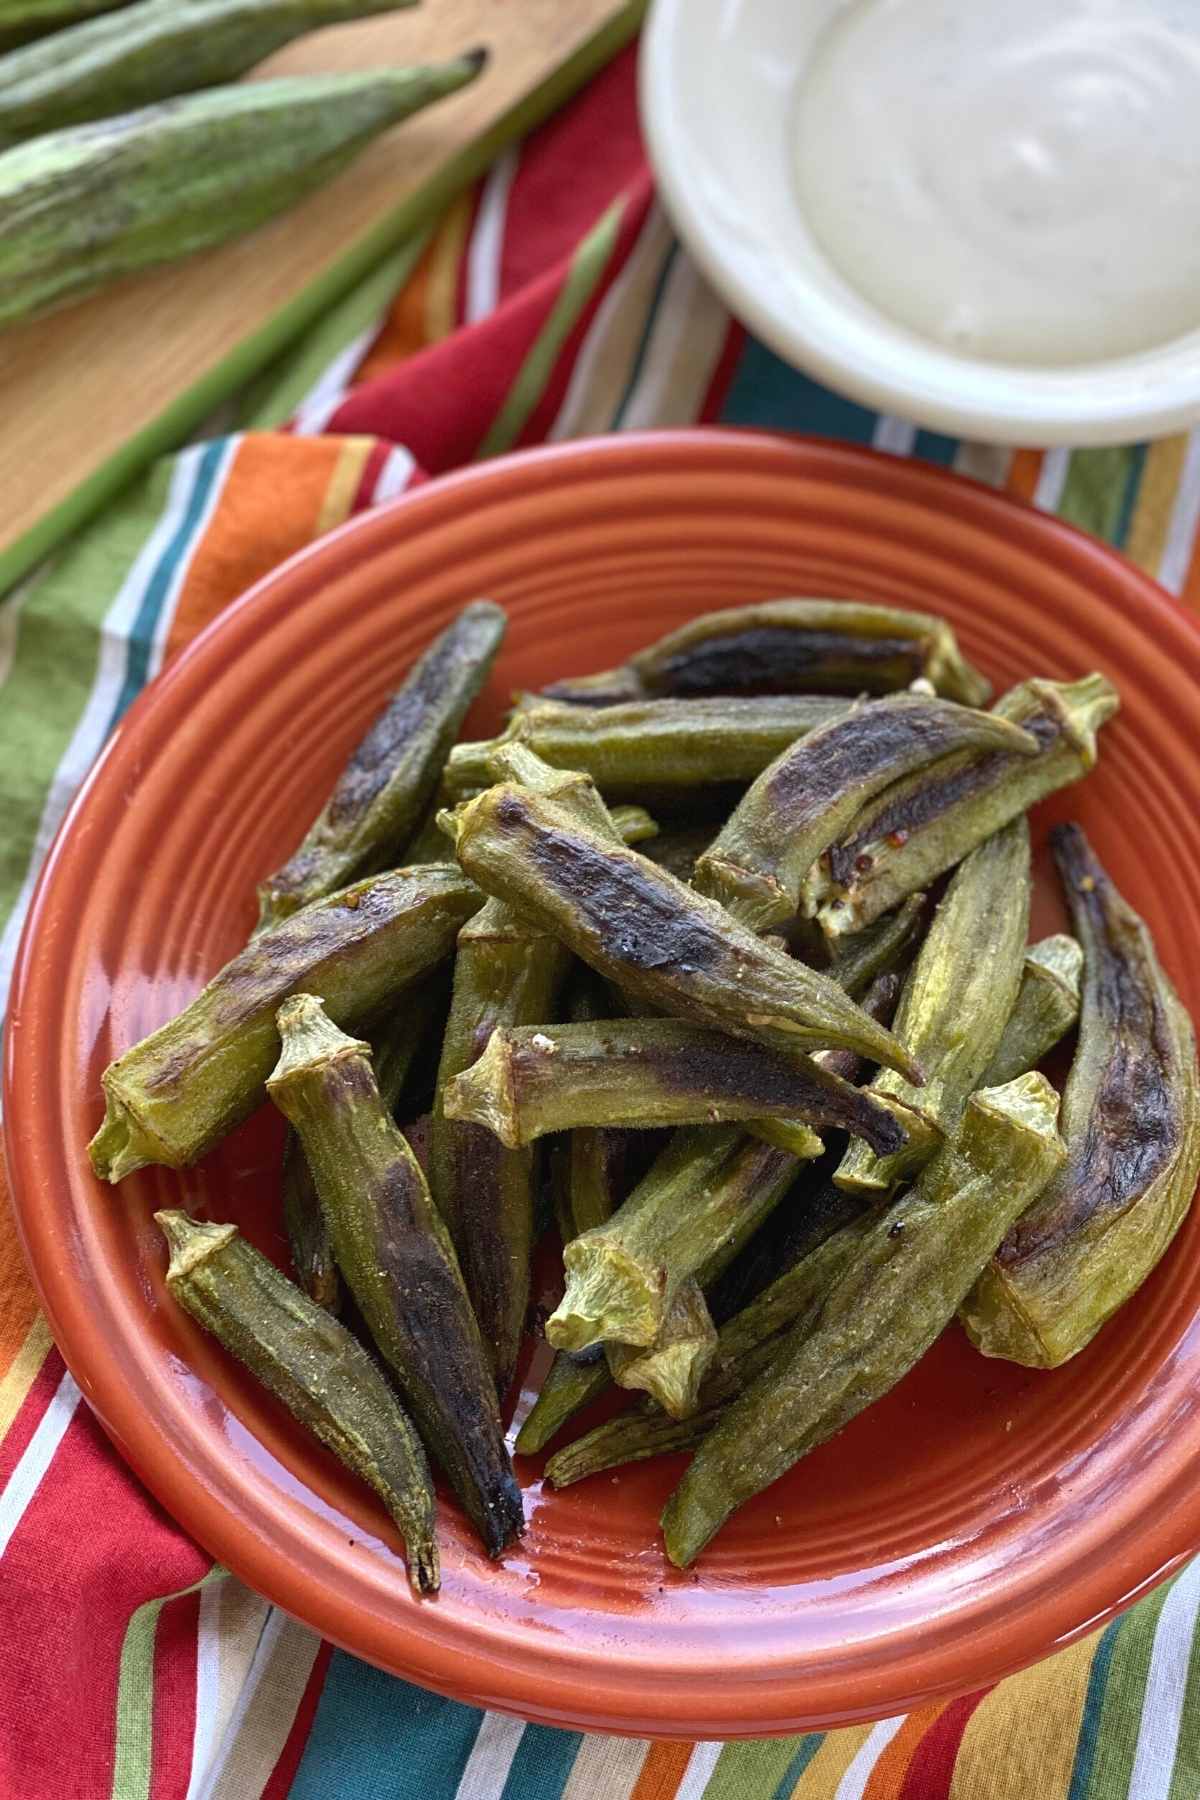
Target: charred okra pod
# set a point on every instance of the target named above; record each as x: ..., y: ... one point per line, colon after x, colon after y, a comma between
x: 745, y: 1347
x: 706, y: 1186
x: 508, y: 972
x: 653, y: 745
x: 957, y: 999
x: 913, y: 1267
x: 644, y: 1073
x: 397, y: 1259
x: 925, y: 824
x: 172, y: 1097
x: 671, y: 1369
x: 791, y: 647
x: 637, y: 925
x: 1131, y: 1119
x: 813, y: 792
x: 313, y: 1365
x: 384, y: 789
x: 1045, y: 1009
x: 395, y: 1047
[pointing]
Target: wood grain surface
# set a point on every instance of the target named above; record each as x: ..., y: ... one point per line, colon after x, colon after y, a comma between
x: 84, y: 389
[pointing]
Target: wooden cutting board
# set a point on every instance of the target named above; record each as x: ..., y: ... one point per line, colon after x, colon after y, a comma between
x: 90, y: 394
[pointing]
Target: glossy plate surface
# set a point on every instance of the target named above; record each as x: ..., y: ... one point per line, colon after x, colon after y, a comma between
x: 977, y: 1518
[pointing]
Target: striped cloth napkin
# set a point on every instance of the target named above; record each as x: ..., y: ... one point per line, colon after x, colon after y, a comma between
x: 553, y: 301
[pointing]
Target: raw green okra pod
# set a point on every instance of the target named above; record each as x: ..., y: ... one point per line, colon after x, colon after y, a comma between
x: 812, y: 793
x: 1131, y: 1120
x: 927, y: 823
x: 638, y: 926
x: 384, y: 789
x: 653, y: 745
x: 110, y: 64
x: 957, y: 998
x: 646, y: 1073
x: 173, y: 1096
x: 395, y: 1046
x: 314, y: 1366
x: 83, y: 206
x: 1045, y: 1009
x: 913, y: 1267
x: 789, y: 647
x: 396, y: 1257
x: 706, y: 1186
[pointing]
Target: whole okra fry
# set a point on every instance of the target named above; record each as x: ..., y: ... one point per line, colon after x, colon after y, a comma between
x: 707, y: 1185
x: 788, y: 647
x: 637, y: 925
x: 1045, y: 1009
x: 812, y: 793
x: 1131, y: 1120
x: 173, y: 1096
x: 746, y: 1346
x: 313, y: 1365
x: 928, y: 822
x: 957, y: 998
x: 395, y: 1046
x: 384, y: 789
x: 396, y: 1257
x: 653, y: 745
x: 755, y: 1169
x: 646, y: 1073
x: 509, y: 971
x: 914, y: 1266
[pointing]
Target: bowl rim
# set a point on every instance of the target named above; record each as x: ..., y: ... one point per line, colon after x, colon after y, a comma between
x: 556, y: 1690
x: 1095, y: 409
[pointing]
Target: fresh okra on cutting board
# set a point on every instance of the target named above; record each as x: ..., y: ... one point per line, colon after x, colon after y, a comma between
x: 720, y: 961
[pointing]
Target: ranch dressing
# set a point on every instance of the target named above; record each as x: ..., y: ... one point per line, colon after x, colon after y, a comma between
x: 1017, y: 179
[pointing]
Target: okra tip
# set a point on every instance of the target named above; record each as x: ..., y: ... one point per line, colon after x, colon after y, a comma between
x: 309, y: 1040
x: 189, y: 1240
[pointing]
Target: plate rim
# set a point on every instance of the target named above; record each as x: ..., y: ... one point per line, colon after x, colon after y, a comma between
x: 554, y: 1695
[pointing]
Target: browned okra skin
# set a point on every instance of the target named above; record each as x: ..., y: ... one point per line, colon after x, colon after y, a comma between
x: 646, y: 1073
x: 811, y: 794
x: 396, y: 1258
x: 384, y: 789
x: 313, y: 1365
x: 637, y: 925
x: 177, y: 1093
x: 927, y: 823
x: 395, y: 1044
x: 788, y: 647
x: 1131, y: 1119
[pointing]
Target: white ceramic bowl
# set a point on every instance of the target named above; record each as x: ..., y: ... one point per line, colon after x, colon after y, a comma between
x: 719, y: 80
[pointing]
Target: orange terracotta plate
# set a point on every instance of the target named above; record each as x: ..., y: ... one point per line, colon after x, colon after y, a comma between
x: 982, y: 1514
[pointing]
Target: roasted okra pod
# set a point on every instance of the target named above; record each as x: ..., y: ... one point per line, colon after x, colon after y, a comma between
x: 172, y: 1097
x: 926, y: 823
x: 396, y: 1045
x: 913, y: 1267
x: 386, y: 786
x: 1045, y: 1009
x: 812, y: 793
x: 653, y: 746
x: 397, y: 1259
x: 957, y: 998
x: 640, y: 927
x: 645, y: 1073
x: 791, y: 647
x: 313, y: 1365
x: 1131, y: 1120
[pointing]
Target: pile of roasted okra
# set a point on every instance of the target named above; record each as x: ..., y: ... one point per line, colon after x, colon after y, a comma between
x: 716, y: 963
